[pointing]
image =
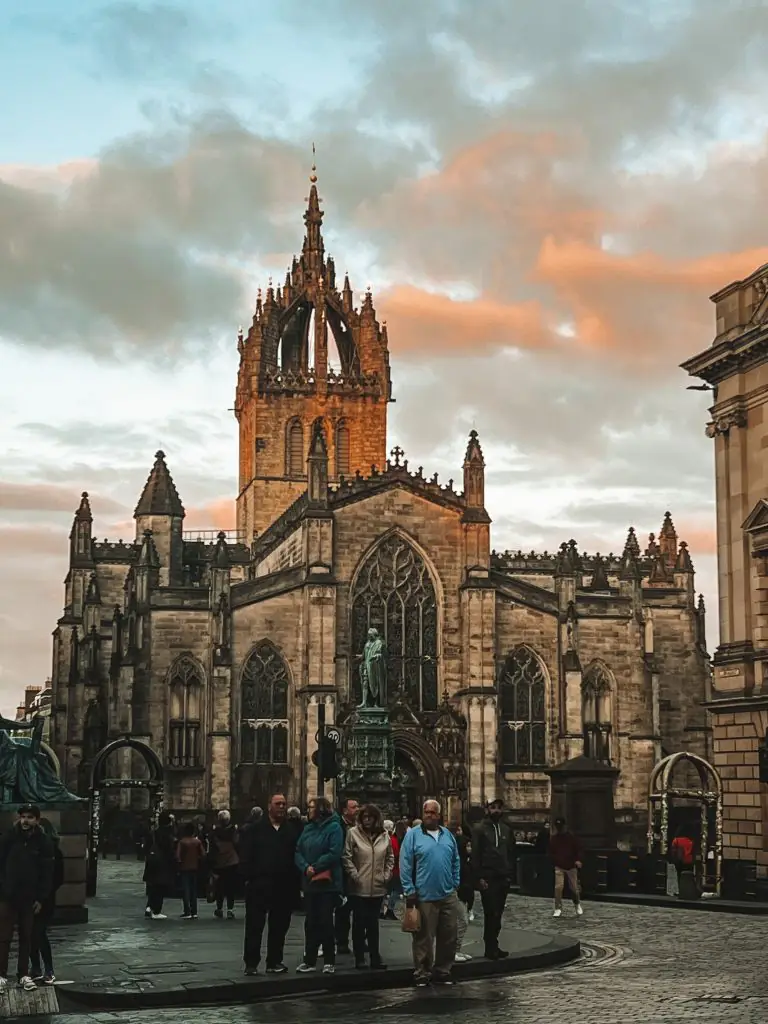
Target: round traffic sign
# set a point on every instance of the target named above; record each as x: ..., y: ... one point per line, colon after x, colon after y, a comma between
x: 333, y: 734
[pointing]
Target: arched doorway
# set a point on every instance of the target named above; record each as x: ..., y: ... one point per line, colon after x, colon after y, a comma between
x: 101, y: 784
x: 419, y: 773
x: 407, y: 788
x: 706, y: 792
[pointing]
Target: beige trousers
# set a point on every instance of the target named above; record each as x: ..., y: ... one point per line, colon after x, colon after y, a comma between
x: 573, y: 885
x: 434, y: 944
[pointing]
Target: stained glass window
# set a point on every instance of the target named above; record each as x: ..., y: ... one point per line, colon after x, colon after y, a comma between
x: 264, y: 707
x: 522, y: 711
x: 184, y: 720
x: 295, y: 456
x: 394, y: 594
x: 597, y: 712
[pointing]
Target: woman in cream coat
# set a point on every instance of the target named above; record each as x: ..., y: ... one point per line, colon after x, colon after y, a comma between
x: 368, y: 862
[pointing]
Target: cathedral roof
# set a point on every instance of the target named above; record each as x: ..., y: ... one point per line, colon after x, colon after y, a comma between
x: 159, y: 497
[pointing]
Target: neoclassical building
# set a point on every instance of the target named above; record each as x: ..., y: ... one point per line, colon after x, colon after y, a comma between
x: 224, y: 652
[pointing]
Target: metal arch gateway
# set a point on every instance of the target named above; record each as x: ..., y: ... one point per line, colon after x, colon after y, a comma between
x: 100, y: 784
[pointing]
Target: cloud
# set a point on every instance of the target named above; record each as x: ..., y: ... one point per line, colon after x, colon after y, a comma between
x: 215, y: 515
x: 47, y: 498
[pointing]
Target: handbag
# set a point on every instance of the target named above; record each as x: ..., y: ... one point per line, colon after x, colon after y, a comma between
x: 321, y: 876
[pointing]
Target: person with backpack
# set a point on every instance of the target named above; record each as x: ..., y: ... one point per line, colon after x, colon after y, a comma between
x: 41, y: 956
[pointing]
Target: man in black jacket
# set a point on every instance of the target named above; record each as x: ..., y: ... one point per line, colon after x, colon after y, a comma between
x: 26, y: 882
x: 267, y: 853
x: 494, y: 857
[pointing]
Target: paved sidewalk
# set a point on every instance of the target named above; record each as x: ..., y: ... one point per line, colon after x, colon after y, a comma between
x: 121, y: 960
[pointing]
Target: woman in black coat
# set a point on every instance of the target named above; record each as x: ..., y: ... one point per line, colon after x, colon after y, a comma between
x: 160, y: 867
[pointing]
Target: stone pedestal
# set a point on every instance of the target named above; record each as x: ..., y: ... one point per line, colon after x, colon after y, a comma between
x: 582, y: 793
x: 71, y: 822
x: 370, y: 757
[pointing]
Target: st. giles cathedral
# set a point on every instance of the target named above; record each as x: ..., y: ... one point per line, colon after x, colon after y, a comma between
x: 219, y: 651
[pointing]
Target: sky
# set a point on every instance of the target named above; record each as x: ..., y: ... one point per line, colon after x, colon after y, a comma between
x: 542, y: 196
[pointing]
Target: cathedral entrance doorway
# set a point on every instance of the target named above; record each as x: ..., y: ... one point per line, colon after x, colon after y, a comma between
x: 101, y: 784
x: 407, y: 789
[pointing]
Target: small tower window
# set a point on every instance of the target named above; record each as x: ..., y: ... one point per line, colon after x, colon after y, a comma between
x: 342, y: 449
x: 295, y: 461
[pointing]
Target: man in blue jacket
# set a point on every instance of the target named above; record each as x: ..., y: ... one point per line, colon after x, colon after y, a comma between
x: 430, y: 873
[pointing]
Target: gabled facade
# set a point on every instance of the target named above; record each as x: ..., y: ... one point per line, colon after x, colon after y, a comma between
x: 220, y: 653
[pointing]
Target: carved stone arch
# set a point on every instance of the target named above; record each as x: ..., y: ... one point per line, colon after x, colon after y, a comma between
x: 396, y: 590
x: 295, y: 448
x: 193, y: 661
x: 524, y: 709
x: 424, y: 759
x: 599, y: 676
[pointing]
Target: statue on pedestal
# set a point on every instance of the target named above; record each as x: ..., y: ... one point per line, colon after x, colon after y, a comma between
x: 373, y: 672
x: 26, y: 774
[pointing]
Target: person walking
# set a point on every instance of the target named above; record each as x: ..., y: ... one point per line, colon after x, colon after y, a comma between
x: 225, y: 864
x: 494, y: 859
x: 268, y: 866
x: 26, y: 883
x: 466, y: 890
x: 566, y: 854
x: 318, y: 858
x: 395, y: 890
x: 40, y: 953
x: 342, y: 917
x: 368, y: 862
x: 160, y: 866
x: 430, y: 873
x: 190, y: 854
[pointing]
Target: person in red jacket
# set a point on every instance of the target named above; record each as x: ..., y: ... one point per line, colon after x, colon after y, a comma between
x: 566, y: 854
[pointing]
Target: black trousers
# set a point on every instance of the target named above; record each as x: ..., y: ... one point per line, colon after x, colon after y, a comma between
x: 341, y: 923
x: 270, y: 907
x: 493, y: 899
x: 365, y: 927
x: 155, y: 897
x: 40, y: 955
x: 319, y: 929
x: 226, y: 886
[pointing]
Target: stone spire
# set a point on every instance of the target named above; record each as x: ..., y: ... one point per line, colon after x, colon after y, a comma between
x: 568, y: 562
x: 599, y: 580
x: 632, y: 544
x: 683, y: 562
x: 80, y: 536
x: 474, y: 473
x: 668, y: 541
x: 159, y: 497
x: 314, y: 249
x: 629, y: 568
x: 317, y: 466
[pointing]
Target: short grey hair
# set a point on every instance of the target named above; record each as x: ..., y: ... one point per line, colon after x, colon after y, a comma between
x: 427, y: 803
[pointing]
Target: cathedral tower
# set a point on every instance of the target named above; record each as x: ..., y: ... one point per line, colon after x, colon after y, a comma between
x: 309, y: 357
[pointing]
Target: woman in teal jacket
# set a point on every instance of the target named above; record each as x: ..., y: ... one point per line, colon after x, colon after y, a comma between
x: 318, y: 858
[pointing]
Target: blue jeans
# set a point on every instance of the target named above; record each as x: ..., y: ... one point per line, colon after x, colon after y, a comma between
x: 395, y: 890
x: 189, y: 892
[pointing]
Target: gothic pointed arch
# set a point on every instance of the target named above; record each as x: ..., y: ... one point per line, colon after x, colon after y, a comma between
x: 597, y: 703
x: 186, y: 689
x: 264, y: 692
x: 523, y: 710
x: 394, y: 591
x: 295, y: 453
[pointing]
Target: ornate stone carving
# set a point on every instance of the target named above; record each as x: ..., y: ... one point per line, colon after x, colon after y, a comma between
x: 723, y: 424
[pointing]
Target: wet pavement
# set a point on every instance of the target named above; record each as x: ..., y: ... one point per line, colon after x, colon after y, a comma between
x: 639, y: 965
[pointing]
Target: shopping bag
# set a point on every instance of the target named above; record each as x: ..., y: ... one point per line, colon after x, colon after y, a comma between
x: 411, y: 920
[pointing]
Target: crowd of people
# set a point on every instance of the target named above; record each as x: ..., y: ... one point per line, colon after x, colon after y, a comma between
x: 348, y: 870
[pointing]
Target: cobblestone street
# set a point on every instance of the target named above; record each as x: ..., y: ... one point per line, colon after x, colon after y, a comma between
x: 640, y: 966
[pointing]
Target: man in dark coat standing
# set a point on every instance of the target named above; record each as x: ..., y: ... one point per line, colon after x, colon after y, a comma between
x: 267, y: 861
x: 494, y: 862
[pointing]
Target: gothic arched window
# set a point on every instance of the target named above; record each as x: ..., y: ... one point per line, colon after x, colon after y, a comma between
x: 342, y: 449
x: 185, y: 684
x: 597, y: 712
x: 522, y: 711
x: 295, y: 456
x: 394, y: 594
x: 94, y: 733
x: 264, y: 707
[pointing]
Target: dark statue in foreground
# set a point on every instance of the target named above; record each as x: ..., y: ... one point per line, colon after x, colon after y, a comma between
x: 373, y: 671
x: 26, y: 774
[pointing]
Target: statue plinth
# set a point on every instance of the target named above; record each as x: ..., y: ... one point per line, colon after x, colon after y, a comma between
x: 370, y: 751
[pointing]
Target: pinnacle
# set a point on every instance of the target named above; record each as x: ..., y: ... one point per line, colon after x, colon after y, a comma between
x: 474, y: 451
x: 84, y: 510
x: 318, y: 449
x: 683, y: 562
x: 668, y: 527
x: 599, y: 577
x: 159, y: 497
x: 631, y: 543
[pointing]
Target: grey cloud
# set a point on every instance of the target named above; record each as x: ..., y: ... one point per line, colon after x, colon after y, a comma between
x: 28, y: 497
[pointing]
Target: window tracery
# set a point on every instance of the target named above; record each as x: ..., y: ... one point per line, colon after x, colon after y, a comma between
x: 295, y: 464
x: 597, y: 712
x: 522, y: 711
x: 185, y: 718
x: 264, y: 707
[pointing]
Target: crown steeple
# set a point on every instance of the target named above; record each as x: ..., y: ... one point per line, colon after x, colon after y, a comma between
x: 159, y: 497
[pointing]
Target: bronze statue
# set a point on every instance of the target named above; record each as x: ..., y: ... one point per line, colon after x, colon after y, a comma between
x: 26, y: 774
x: 373, y: 671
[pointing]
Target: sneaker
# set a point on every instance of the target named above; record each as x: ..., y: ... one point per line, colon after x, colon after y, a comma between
x: 218, y: 913
x: 194, y: 917
x: 250, y: 971
x: 159, y: 917
x: 579, y: 910
x: 37, y: 975
x: 442, y: 979
x: 27, y: 984
x: 471, y: 915
x: 277, y: 969
x: 230, y: 915
x: 558, y: 913
x: 147, y: 912
x: 329, y: 969
x: 186, y: 917
x: 305, y: 968
x: 421, y: 982
x: 49, y: 979
x: 461, y: 958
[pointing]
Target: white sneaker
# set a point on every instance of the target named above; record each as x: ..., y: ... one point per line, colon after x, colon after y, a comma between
x: 305, y: 969
x: 579, y: 910
x: 329, y: 969
x: 27, y: 984
x: 461, y: 958
x: 558, y: 913
x: 471, y: 915
x: 159, y: 917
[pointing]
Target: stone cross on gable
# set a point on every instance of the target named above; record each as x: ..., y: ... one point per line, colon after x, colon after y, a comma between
x: 397, y: 453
